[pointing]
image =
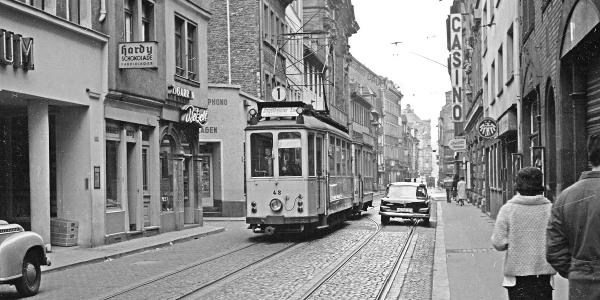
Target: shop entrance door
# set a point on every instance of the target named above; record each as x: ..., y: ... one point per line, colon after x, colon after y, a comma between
x: 188, y: 203
x: 206, y: 180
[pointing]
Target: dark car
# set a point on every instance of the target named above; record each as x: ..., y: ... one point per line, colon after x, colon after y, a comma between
x: 406, y: 200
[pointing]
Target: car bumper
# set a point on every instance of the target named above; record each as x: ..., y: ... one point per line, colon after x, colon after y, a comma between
x: 405, y: 215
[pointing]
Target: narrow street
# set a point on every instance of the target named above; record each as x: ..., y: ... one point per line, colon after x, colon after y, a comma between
x: 359, y: 260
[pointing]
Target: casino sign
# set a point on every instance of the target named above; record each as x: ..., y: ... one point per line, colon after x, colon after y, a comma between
x: 487, y: 128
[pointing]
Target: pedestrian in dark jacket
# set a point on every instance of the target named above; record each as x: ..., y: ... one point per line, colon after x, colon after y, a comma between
x: 520, y: 231
x: 573, y: 236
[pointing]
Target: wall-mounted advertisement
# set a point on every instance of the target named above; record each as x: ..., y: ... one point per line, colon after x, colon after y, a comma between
x: 137, y: 55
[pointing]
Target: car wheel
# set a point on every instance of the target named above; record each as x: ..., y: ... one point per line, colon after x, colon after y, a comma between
x: 385, y: 220
x: 29, y: 283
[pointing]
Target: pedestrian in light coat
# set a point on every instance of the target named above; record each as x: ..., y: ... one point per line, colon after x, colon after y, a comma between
x: 520, y: 230
x: 573, y: 237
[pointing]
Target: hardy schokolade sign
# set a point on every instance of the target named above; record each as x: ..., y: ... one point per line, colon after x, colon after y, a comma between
x: 138, y: 55
x: 16, y: 50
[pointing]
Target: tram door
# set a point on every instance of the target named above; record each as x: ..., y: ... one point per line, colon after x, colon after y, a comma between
x: 321, y: 179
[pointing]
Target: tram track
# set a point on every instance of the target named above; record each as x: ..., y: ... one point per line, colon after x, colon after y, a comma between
x: 130, y: 290
x: 389, y: 280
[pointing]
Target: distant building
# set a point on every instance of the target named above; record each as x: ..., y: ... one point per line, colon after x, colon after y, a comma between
x: 445, y: 134
x: 423, y: 129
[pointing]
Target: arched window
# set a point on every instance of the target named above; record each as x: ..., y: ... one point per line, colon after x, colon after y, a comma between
x: 583, y: 19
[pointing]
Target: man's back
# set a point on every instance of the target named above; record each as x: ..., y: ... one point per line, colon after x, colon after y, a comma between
x: 579, y: 206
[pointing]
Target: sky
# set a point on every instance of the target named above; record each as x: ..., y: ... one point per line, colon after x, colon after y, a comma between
x: 420, y: 26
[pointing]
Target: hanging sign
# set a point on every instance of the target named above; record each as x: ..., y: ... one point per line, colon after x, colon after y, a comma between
x: 456, y: 66
x: 458, y: 144
x: 487, y: 128
x: 194, y: 115
x: 138, y: 55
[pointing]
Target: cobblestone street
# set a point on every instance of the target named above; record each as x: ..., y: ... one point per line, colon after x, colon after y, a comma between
x: 277, y: 268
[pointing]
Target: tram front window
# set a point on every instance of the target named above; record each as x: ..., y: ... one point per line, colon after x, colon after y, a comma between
x: 261, y: 152
x: 290, y: 154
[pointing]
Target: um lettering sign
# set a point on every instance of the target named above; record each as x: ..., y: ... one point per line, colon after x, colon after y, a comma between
x: 16, y: 50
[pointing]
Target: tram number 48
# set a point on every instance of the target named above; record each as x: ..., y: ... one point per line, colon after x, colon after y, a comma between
x: 276, y: 192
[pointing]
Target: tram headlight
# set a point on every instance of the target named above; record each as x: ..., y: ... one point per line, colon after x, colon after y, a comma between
x: 252, y: 112
x: 276, y: 205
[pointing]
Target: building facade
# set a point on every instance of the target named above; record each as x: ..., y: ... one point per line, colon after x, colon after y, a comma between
x: 53, y: 81
x: 423, y: 135
x: 445, y: 127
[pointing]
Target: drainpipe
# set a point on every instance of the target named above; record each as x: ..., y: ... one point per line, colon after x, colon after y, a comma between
x: 228, y: 45
x: 102, y: 11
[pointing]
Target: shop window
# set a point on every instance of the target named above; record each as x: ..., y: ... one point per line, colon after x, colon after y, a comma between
x: 166, y: 174
x: 290, y: 154
x: 112, y: 154
x: 311, y: 154
x: 261, y: 154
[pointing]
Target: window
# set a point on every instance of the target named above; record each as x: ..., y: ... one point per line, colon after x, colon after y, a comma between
x: 338, y: 157
x: 485, y: 29
x: 191, y: 51
x: 528, y: 17
x: 509, y: 54
x: 67, y: 9
x: 147, y: 17
x: 311, y: 154
x: 485, y: 88
x: 186, y: 62
x: 145, y: 168
x: 290, y: 154
x: 331, y: 154
x: 112, y: 154
x: 128, y: 20
x: 261, y: 154
x: 319, y: 156
x: 179, y: 49
x: 35, y: 3
x: 500, y: 71
x: 493, y: 84
x: 266, y: 23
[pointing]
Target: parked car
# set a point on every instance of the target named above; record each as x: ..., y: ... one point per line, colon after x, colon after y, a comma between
x: 21, y: 255
x: 408, y: 200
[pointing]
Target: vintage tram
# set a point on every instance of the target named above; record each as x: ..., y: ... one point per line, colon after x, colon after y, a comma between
x: 299, y: 170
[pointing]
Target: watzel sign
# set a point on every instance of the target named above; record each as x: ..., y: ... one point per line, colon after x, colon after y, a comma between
x: 16, y: 50
x: 193, y: 115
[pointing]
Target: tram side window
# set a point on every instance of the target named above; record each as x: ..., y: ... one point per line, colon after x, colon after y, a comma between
x: 261, y: 153
x: 338, y: 157
x: 311, y: 154
x: 331, y: 153
x: 319, y: 156
x: 344, y: 159
x: 290, y: 154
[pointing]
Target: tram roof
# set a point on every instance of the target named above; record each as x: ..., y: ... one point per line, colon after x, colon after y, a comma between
x: 310, y: 122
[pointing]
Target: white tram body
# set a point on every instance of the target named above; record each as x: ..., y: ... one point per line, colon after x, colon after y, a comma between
x: 299, y: 170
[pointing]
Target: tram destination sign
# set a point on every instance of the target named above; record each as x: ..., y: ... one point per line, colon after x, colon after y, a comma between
x: 271, y: 112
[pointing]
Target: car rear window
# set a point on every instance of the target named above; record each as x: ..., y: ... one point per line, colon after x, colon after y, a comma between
x: 401, y: 191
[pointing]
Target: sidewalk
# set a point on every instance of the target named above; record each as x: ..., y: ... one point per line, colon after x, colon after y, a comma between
x: 66, y: 257
x: 466, y: 266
